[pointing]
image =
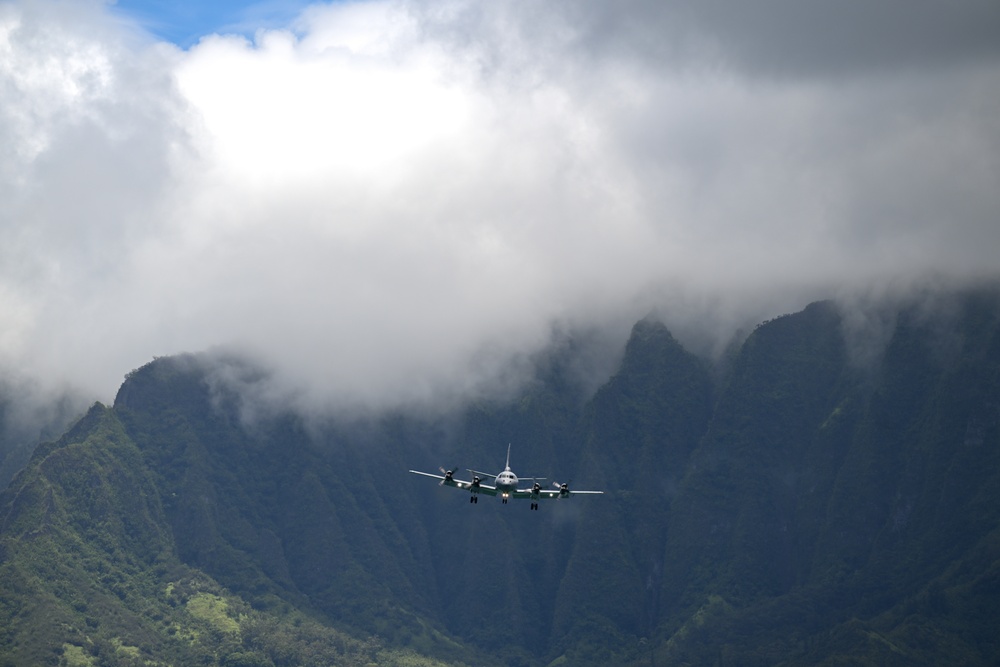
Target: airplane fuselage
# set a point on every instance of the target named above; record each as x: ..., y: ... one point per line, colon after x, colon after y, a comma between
x: 506, y: 483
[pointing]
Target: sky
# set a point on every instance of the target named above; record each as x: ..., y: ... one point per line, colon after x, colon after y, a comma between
x: 398, y: 202
x: 184, y: 23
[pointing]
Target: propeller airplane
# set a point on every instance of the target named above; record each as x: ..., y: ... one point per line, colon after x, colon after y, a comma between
x: 505, y: 485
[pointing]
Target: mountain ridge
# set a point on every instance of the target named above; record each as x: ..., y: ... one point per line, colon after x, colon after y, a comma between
x: 786, y: 504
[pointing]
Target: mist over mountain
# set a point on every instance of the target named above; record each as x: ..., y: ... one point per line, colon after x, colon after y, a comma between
x: 29, y: 415
x: 821, y: 493
x: 396, y: 203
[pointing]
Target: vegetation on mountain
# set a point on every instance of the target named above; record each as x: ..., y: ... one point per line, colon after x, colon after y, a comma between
x: 822, y: 497
x: 91, y: 576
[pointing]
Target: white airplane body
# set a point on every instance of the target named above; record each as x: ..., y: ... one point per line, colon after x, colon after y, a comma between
x: 504, y: 485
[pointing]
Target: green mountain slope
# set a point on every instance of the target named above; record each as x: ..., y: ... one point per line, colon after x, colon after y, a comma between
x: 91, y: 574
x: 808, y: 501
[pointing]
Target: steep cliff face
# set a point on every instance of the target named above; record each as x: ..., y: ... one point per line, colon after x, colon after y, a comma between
x: 803, y: 503
x: 830, y: 506
x: 269, y: 508
x: 638, y: 433
x: 742, y: 519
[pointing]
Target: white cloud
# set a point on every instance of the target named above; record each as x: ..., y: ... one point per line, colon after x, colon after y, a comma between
x: 393, y: 202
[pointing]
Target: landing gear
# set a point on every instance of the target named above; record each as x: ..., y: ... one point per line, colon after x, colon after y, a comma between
x: 473, y: 499
x: 534, y: 506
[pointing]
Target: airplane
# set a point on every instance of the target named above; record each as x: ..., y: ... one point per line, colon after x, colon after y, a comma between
x: 504, y: 485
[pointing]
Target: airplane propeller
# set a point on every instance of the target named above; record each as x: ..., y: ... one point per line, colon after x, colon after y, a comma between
x: 563, y: 488
x: 448, y: 475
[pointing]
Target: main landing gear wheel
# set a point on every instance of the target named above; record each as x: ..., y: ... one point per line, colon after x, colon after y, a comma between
x: 534, y: 506
x: 473, y: 499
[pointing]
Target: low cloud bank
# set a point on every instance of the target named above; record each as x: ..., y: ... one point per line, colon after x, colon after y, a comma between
x: 398, y: 203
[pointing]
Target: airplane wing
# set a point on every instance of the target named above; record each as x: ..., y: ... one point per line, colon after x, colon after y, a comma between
x: 459, y: 483
x: 430, y: 474
x: 552, y: 493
